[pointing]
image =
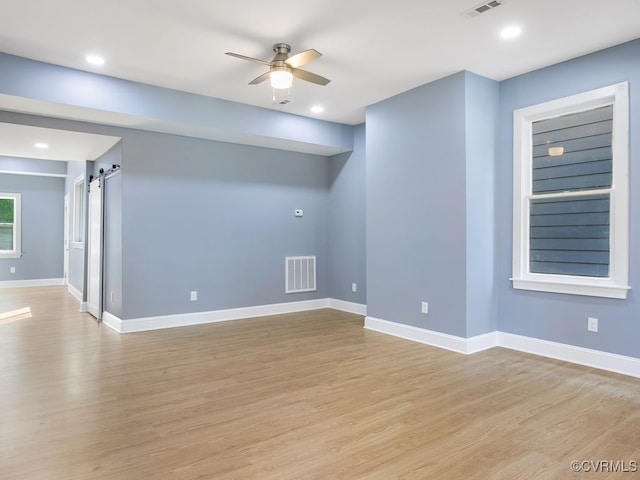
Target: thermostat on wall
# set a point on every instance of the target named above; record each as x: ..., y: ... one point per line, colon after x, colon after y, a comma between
x: 298, y: 213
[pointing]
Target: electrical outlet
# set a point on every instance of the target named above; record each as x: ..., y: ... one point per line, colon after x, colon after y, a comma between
x: 592, y: 324
x: 354, y: 287
x: 425, y: 307
x: 12, y: 269
x: 194, y: 295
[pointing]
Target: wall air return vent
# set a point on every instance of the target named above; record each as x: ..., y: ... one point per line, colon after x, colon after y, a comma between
x: 300, y: 274
x: 482, y: 8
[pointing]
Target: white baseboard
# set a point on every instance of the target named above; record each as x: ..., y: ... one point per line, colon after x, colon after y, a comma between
x: 569, y: 353
x: 40, y: 282
x: 199, y: 318
x: 112, y: 321
x: 78, y: 296
x: 345, y: 306
x: 559, y: 351
x: 429, y: 337
x: 75, y: 292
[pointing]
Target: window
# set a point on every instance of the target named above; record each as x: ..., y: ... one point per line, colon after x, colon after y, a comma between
x: 78, y: 212
x: 570, y: 200
x: 10, y: 225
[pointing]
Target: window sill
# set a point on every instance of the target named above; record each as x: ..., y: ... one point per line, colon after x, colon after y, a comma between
x: 572, y: 288
x: 10, y: 255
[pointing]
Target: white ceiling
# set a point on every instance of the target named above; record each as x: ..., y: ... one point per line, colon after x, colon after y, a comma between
x: 63, y: 145
x: 372, y: 49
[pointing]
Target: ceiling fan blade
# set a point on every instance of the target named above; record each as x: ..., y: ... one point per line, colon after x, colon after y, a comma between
x: 251, y: 59
x: 259, y: 79
x: 309, y: 77
x: 302, y: 58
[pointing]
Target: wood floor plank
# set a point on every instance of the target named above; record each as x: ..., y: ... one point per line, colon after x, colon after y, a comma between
x: 310, y: 395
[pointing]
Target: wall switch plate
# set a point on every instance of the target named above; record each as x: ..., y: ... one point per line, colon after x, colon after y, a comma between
x: 194, y: 295
x: 12, y: 269
x: 425, y: 307
x: 298, y: 213
x: 354, y: 287
x: 592, y: 324
x: 111, y: 297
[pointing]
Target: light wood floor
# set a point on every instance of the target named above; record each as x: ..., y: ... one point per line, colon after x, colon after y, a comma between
x: 300, y: 396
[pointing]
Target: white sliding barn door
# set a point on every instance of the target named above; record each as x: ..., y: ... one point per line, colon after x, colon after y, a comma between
x: 94, y: 246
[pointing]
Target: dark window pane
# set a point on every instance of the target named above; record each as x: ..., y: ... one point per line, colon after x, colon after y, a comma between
x: 570, y: 235
x: 584, y: 161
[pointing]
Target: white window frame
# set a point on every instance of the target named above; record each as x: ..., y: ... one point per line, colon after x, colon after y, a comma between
x: 616, y: 285
x: 79, y: 199
x: 17, y: 227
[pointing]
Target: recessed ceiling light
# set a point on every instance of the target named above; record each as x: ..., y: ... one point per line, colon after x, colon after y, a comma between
x: 317, y: 109
x: 41, y: 145
x: 94, y: 60
x: 510, y: 32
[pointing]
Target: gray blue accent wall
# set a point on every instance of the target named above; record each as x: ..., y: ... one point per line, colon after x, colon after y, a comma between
x: 347, y: 233
x: 430, y: 206
x: 481, y: 122
x: 416, y: 207
x: 42, y: 200
x: 557, y: 317
x: 217, y: 218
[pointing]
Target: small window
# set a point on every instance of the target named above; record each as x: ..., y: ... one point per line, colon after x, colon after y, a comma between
x: 571, y: 162
x: 78, y: 212
x: 10, y: 233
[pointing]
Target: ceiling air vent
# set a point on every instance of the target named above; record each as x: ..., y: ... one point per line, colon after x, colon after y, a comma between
x: 483, y: 7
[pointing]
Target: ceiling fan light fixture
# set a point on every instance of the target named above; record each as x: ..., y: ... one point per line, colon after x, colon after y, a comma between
x: 281, y: 78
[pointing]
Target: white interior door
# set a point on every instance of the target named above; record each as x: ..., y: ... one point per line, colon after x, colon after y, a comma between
x: 94, y: 245
x: 65, y: 259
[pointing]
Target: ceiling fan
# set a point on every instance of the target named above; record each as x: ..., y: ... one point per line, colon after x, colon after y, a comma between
x: 282, y: 68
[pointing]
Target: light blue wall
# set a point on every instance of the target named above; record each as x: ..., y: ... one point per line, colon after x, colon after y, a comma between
x: 217, y: 218
x: 347, y: 233
x: 557, y: 317
x: 481, y: 120
x: 416, y: 204
x: 42, y: 217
